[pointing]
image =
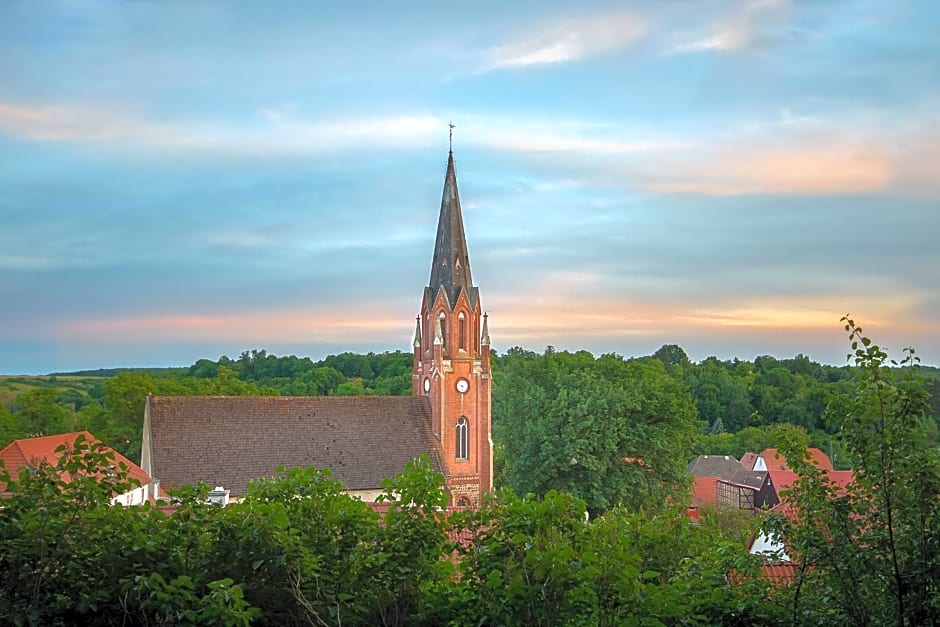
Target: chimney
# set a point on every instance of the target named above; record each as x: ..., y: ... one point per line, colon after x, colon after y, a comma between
x: 219, y: 496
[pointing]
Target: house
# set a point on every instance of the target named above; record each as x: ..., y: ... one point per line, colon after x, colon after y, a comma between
x: 229, y: 441
x: 33, y: 452
x: 779, y: 480
x: 746, y: 489
x: 762, y: 477
x: 705, y: 470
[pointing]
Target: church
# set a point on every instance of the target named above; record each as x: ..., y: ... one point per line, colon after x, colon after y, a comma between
x: 228, y: 441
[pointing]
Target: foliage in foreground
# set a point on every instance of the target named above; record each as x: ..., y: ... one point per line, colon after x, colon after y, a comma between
x: 869, y: 553
x: 297, y: 550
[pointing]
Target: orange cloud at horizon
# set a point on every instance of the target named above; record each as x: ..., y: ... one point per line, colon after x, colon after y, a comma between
x: 307, y: 325
x: 515, y: 320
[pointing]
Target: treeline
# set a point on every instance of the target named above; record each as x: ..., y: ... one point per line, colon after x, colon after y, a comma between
x: 736, y: 405
x: 346, y: 374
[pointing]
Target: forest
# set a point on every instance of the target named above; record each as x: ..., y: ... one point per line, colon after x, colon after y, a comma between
x: 587, y: 527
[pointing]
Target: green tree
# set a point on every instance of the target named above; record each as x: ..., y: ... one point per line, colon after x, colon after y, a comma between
x: 10, y: 427
x: 38, y: 413
x: 530, y: 561
x: 719, y: 393
x: 870, y: 551
x: 406, y: 564
x: 672, y: 355
x: 606, y: 430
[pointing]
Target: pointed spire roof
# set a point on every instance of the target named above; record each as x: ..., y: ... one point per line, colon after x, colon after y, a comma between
x: 450, y: 267
x: 417, y: 341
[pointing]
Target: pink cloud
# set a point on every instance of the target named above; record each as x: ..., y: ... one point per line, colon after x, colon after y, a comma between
x: 364, y: 324
x: 802, y: 170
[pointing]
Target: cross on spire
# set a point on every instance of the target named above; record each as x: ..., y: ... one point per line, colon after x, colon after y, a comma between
x: 451, y: 138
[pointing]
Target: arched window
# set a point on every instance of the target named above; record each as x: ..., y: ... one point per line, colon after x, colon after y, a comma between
x: 443, y: 329
x: 463, y: 502
x: 463, y: 444
x: 461, y: 332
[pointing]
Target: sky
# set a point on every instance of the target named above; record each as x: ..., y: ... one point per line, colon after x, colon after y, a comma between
x: 185, y: 180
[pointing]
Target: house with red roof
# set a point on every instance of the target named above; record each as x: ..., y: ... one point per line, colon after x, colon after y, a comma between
x: 705, y: 469
x: 780, y: 477
x: 34, y: 452
x: 746, y: 489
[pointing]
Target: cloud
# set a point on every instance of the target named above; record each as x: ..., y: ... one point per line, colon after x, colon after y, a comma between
x: 556, y: 135
x: 276, y: 134
x: 569, y: 40
x: 788, y: 154
x: 738, y: 31
x: 59, y: 123
x: 802, y: 170
x: 316, y: 324
x: 604, y: 321
x: 282, y: 132
x: 24, y: 262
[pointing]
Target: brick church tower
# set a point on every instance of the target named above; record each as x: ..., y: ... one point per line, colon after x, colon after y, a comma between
x: 452, y: 357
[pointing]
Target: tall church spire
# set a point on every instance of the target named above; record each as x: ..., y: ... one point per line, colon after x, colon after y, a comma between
x: 451, y: 364
x: 450, y: 267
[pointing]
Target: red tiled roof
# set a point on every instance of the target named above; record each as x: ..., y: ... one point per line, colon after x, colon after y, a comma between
x: 783, y: 479
x: 776, y: 461
x: 34, y: 451
x: 781, y: 573
x: 841, y: 478
x: 748, y: 460
x: 231, y: 440
x: 704, y: 490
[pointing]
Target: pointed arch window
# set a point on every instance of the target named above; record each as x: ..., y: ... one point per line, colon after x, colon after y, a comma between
x: 461, y: 332
x: 443, y: 320
x: 463, y: 440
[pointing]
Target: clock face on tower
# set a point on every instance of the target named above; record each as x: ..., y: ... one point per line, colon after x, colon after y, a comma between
x: 463, y: 385
x: 427, y: 385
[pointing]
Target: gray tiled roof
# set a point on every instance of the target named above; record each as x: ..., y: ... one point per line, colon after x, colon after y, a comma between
x: 713, y: 466
x: 450, y: 267
x: 229, y: 440
x: 747, y: 478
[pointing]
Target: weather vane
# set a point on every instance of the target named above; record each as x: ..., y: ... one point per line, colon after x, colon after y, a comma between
x: 452, y: 127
